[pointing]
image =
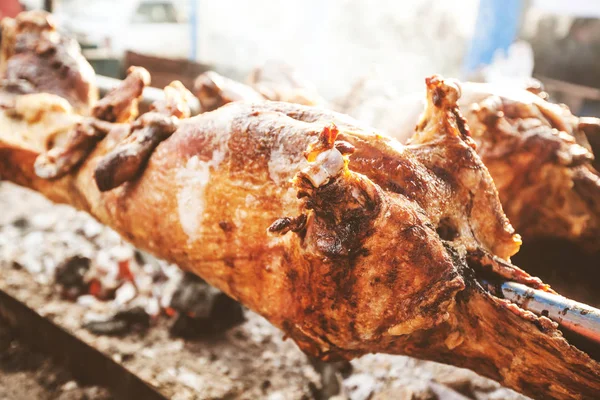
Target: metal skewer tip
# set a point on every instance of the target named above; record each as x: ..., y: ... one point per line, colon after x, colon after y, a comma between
x: 569, y: 314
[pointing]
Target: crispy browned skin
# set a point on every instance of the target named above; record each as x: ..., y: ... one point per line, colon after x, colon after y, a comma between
x: 36, y: 58
x: 347, y: 240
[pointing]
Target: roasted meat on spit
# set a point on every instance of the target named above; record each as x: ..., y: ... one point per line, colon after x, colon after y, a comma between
x: 281, y: 82
x: 214, y: 90
x: 347, y: 240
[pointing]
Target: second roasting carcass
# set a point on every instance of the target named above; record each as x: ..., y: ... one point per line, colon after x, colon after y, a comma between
x: 540, y: 160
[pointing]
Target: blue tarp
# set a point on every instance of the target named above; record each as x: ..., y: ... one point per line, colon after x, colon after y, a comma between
x: 496, y: 28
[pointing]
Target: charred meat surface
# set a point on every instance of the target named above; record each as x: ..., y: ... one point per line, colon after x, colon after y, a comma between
x: 357, y: 262
x: 119, y: 106
x: 129, y: 157
x: 72, y: 146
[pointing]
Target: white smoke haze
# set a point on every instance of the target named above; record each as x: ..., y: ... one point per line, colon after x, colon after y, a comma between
x: 334, y: 43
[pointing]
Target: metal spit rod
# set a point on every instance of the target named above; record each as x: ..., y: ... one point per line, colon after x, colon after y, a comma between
x: 572, y: 315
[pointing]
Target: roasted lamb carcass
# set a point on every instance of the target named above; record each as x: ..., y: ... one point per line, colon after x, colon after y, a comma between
x: 347, y: 240
x: 537, y: 154
x: 36, y: 58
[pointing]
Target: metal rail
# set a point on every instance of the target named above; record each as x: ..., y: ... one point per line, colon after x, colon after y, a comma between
x: 87, y: 364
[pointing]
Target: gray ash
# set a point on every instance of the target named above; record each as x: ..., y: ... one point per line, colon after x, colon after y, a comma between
x: 70, y: 275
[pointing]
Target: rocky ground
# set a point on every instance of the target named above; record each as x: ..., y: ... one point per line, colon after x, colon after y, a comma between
x: 79, y: 274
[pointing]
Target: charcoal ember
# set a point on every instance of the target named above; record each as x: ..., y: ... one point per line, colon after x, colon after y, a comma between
x: 139, y: 257
x: 70, y: 275
x: 128, y: 321
x: 202, y: 310
x: 16, y: 265
x: 102, y: 289
x: 462, y: 384
x: 21, y: 223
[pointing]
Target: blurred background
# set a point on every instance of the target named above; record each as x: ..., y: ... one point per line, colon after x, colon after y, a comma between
x: 386, y: 45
